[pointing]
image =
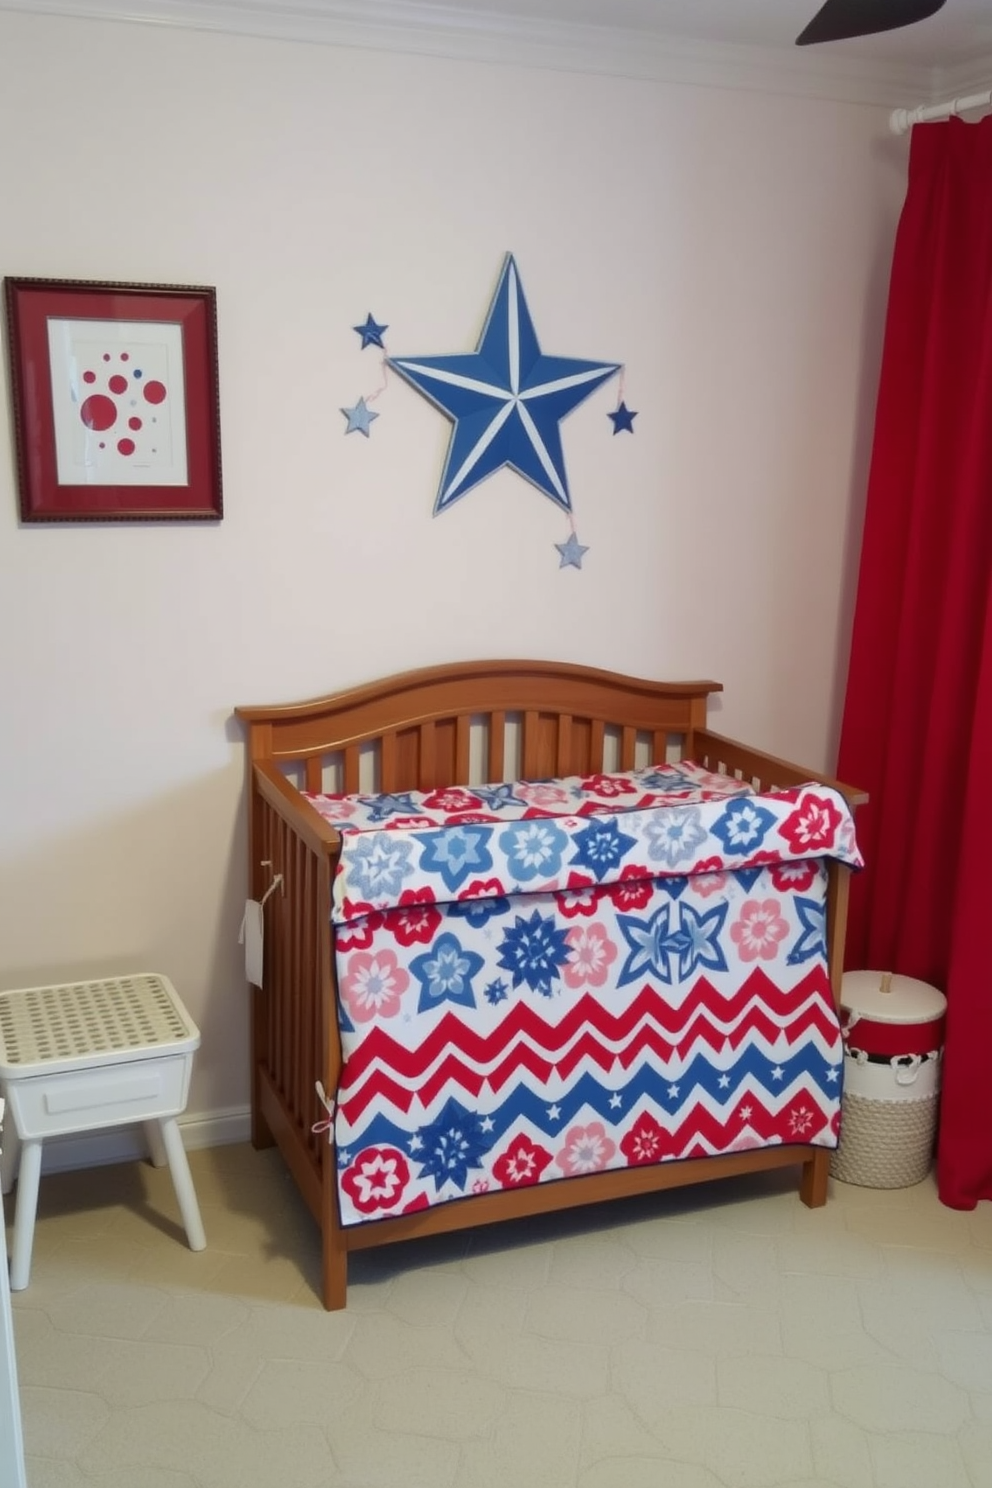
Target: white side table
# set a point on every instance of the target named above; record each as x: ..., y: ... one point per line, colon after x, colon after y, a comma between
x: 84, y: 1056
x: 11, y: 1432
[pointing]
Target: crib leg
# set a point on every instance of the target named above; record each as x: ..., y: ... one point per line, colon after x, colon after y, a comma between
x: 813, y: 1182
x: 334, y: 1273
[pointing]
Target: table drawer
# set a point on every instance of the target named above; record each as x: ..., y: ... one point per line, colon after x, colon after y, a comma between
x: 108, y: 1095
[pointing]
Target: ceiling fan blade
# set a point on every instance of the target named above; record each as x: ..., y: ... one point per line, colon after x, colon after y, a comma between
x: 838, y: 20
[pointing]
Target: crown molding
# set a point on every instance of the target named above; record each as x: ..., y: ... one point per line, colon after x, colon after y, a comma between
x: 444, y: 31
x: 971, y: 77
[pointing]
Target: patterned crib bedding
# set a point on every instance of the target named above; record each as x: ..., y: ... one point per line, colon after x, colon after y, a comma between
x: 545, y: 979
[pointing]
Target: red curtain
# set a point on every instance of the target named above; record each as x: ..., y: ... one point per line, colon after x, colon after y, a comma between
x: 917, y: 726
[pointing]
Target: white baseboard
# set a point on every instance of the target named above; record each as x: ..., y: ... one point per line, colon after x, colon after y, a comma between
x: 127, y: 1143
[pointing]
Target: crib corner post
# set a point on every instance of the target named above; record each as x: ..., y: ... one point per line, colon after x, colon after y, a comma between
x: 334, y: 1258
x: 813, y: 1180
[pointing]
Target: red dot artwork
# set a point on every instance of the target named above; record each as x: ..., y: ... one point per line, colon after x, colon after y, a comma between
x: 154, y: 392
x: 89, y: 377
x: 134, y: 423
x: 125, y: 446
x: 117, y: 384
x: 98, y: 412
x: 125, y: 356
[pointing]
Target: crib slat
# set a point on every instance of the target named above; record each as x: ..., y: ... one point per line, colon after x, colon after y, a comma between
x: 387, y: 762
x: 497, y: 747
x: 597, y: 743
x: 659, y: 747
x: 530, y: 766
x: 426, y: 775
x: 628, y: 745
x: 463, y: 733
x: 563, y: 755
x: 351, y: 760
x: 314, y: 774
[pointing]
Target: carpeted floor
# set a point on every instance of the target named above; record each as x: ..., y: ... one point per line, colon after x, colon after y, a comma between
x: 707, y: 1338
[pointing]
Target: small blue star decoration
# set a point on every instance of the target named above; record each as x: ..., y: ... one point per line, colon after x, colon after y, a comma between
x: 371, y: 332
x: 359, y: 418
x: 623, y: 418
x: 572, y: 552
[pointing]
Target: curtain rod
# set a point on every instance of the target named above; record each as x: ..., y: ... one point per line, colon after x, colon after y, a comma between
x: 902, y: 119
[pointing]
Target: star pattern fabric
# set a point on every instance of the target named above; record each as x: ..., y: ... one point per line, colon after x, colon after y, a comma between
x: 506, y: 399
x: 359, y: 418
x: 371, y: 332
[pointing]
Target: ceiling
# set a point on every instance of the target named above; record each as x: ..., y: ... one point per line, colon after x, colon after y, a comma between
x: 951, y: 38
x: 726, y: 43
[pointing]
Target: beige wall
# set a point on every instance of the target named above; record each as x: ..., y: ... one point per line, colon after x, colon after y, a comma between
x: 730, y: 248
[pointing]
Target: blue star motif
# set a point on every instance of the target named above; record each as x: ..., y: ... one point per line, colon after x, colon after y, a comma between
x: 456, y: 853
x: 697, y: 940
x: 495, y: 797
x: 382, y: 807
x: 623, y: 418
x: 359, y: 418
x: 451, y: 1145
x: 506, y: 399
x: 812, y: 916
x: 371, y: 332
x: 648, y: 947
x: 601, y: 845
x: 572, y: 552
x: 445, y: 974
x: 534, y: 951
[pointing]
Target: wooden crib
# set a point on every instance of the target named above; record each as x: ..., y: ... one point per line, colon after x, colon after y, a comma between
x: 458, y: 724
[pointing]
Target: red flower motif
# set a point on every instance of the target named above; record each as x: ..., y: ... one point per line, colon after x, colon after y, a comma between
x: 607, y: 785
x: 362, y: 923
x: 590, y: 956
x: 646, y: 1142
x: 634, y: 889
x: 795, y: 877
x: 417, y: 918
x: 523, y: 1162
x: 586, y: 1149
x: 452, y: 798
x: 760, y: 930
x: 813, y: 827
x: 376, y: 1179
x: 373, y: 985
x: 580, y: 897
x: 708, y: 877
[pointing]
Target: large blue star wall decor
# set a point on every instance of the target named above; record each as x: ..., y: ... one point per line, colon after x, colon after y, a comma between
x: 506, y: 399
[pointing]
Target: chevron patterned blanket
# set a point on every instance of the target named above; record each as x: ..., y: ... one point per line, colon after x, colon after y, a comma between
x: 540, y: 980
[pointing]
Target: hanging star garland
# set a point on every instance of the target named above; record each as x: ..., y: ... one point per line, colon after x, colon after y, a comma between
x: 623, y: 418
x: 572, y: 552
x: 359, y: 418
x: 506, y: 399
x: 371, y: 332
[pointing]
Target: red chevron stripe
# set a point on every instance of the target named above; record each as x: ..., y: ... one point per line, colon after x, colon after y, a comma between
x: 643, y: 1040
x: 376, y: 1044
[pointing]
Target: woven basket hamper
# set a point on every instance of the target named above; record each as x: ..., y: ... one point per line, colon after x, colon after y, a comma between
x: 893, y: 1031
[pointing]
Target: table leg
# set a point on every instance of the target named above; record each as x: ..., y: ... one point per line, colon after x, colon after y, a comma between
x: 24, y: 1214
x: 183, y: 1183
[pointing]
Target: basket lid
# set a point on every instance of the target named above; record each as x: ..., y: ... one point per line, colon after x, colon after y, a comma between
x: 888, y: 998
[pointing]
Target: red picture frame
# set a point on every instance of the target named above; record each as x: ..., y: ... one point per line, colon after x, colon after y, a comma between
x: 115, y: 400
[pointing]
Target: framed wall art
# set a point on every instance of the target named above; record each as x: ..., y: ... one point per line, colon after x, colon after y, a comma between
x: 115, y: 400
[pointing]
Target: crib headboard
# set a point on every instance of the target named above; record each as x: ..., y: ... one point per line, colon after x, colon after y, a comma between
x: 473, y: 722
